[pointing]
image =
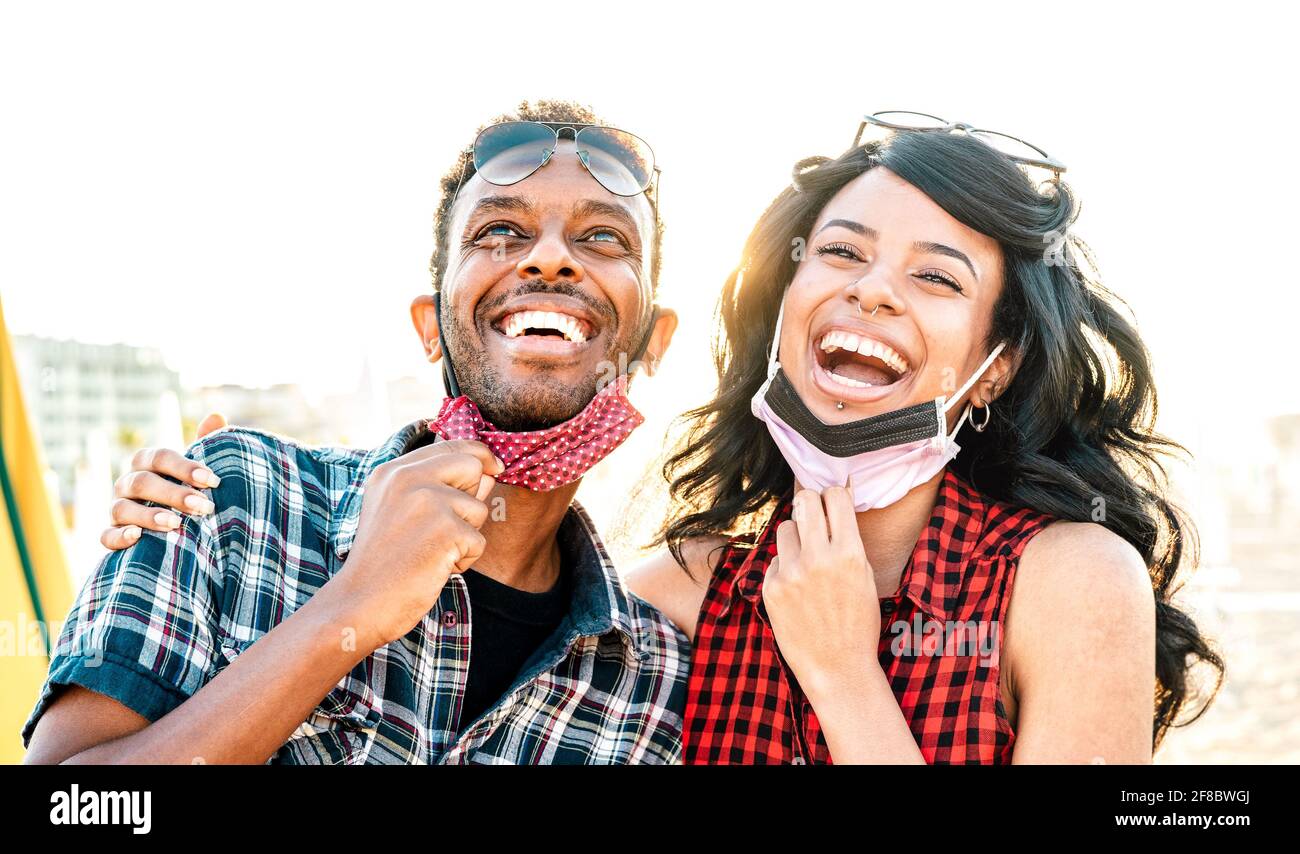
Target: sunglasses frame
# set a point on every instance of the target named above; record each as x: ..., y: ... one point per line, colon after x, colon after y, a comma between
x: 1045, y: 162
x: 575, y: 130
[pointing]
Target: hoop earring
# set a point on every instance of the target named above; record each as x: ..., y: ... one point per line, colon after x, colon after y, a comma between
x: 988, y: 414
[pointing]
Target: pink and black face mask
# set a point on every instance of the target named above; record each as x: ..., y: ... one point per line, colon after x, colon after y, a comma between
x: 881, y: 458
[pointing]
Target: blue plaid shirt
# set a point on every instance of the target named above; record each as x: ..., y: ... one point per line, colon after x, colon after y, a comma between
x: 159, y: 620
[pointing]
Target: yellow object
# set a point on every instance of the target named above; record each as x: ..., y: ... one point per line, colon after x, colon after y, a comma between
x: 35, y: 585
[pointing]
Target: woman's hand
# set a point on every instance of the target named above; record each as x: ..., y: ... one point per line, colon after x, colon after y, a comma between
x: 144, y: 483
x: 820, y: 593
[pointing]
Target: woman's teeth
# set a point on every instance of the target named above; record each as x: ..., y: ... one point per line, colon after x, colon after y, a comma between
x: 838, y: 339
x: 851, y: 383
x: 570, y: 327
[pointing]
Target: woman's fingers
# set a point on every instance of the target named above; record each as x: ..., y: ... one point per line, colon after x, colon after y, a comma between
x: 147, y: 482
x: 172, y: 464
x: 141, y: 486
x: 841, y: 517
x: 212, y: 423
x: 787, y: 544
x: 811, y: 519
x: 121, y: 537
x: 126, y: 512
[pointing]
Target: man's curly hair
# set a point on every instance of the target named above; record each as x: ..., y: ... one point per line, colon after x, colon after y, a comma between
x: 539, y: 111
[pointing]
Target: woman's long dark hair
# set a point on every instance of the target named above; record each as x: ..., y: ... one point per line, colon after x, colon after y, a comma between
x: 1075, y: 425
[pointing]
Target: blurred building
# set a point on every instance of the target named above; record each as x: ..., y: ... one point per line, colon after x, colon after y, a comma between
x: 363, y: 417
x: 1284, y: 491
x: 282, y: 408
x: 77, y: 392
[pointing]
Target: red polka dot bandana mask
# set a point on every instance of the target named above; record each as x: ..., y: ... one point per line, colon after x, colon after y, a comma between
x: 542, y: 460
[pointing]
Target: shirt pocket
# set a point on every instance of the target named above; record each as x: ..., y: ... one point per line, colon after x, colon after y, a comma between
x: 338, y: 731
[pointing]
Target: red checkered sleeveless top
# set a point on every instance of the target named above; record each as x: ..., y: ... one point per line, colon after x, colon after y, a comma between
x: 939, y: 642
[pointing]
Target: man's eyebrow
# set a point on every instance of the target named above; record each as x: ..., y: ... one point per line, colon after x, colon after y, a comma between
x: 502, y: 204
x: 941, y: 249
x: 855, y: 227
x: 593, y: 208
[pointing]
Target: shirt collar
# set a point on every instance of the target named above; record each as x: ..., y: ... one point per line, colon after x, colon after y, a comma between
x: 599, y: 603
x: 934, y: 576
x: 936, y: 569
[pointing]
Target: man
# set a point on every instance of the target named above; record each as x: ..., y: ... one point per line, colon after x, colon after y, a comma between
x: 427, y: 601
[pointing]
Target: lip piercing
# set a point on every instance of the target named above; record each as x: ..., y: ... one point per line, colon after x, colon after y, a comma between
x: 839, y: 405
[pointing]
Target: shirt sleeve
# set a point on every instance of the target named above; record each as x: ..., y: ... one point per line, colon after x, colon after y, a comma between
x: 143, y: 629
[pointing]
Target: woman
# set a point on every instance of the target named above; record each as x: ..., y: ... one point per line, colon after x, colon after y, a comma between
x: 878, y: 623
x: 861, y: 610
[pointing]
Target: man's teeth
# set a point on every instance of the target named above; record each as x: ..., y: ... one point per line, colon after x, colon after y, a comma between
x: 567, y: 326
x: 838, y: 339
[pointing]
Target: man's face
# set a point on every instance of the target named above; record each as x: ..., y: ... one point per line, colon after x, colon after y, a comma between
x: 548, y: 282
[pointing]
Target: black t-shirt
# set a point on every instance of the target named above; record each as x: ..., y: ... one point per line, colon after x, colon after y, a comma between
x: 508, y: 626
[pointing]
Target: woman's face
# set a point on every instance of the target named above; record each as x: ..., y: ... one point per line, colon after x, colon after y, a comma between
x: 882, y: 244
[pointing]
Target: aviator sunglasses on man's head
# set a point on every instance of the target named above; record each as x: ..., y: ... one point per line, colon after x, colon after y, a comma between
x: 508, y: 152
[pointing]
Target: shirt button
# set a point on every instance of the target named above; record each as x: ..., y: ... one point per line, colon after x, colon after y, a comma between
x: 798, y: 760
x: 449, y: 619
x: 888, y: 606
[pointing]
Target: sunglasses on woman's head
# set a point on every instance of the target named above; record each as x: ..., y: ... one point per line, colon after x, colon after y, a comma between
x: 1012, y: 147
x: 507, y: 153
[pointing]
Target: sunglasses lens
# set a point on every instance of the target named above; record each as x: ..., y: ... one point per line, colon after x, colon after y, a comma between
x: 509, y: 152
x: 1009, y: 145
x: 909, y: 121
x: 622, y: 162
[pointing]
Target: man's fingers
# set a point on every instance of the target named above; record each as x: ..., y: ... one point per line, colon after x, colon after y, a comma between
x: 471, y: 544
x: 173, y: 464
x: 478, y: 450
x: 142, y: 486
x: 462, y: 471
x: 465, y: 506
x: 485, y: 484
x: 211, y: 424
x: 120, y: 538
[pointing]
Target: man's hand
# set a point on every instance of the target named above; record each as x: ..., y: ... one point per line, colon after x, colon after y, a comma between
x: 144, y: 482
x: 420, y: 520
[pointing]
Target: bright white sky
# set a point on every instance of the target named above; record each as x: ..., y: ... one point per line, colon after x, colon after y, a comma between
x: 249, y: 186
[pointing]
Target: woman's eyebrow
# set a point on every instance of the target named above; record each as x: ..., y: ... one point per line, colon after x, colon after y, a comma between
x: 941, y: 249
x: 855, y: 227
x: 920, y: 245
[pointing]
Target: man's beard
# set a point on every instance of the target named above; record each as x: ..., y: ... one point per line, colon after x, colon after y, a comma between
x: 536, y: 404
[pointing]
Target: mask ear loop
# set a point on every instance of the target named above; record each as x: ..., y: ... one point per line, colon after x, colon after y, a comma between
x: 965, y: 388
x: 448, y: 372
x: 772, y: 362
x: 645, y: 341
